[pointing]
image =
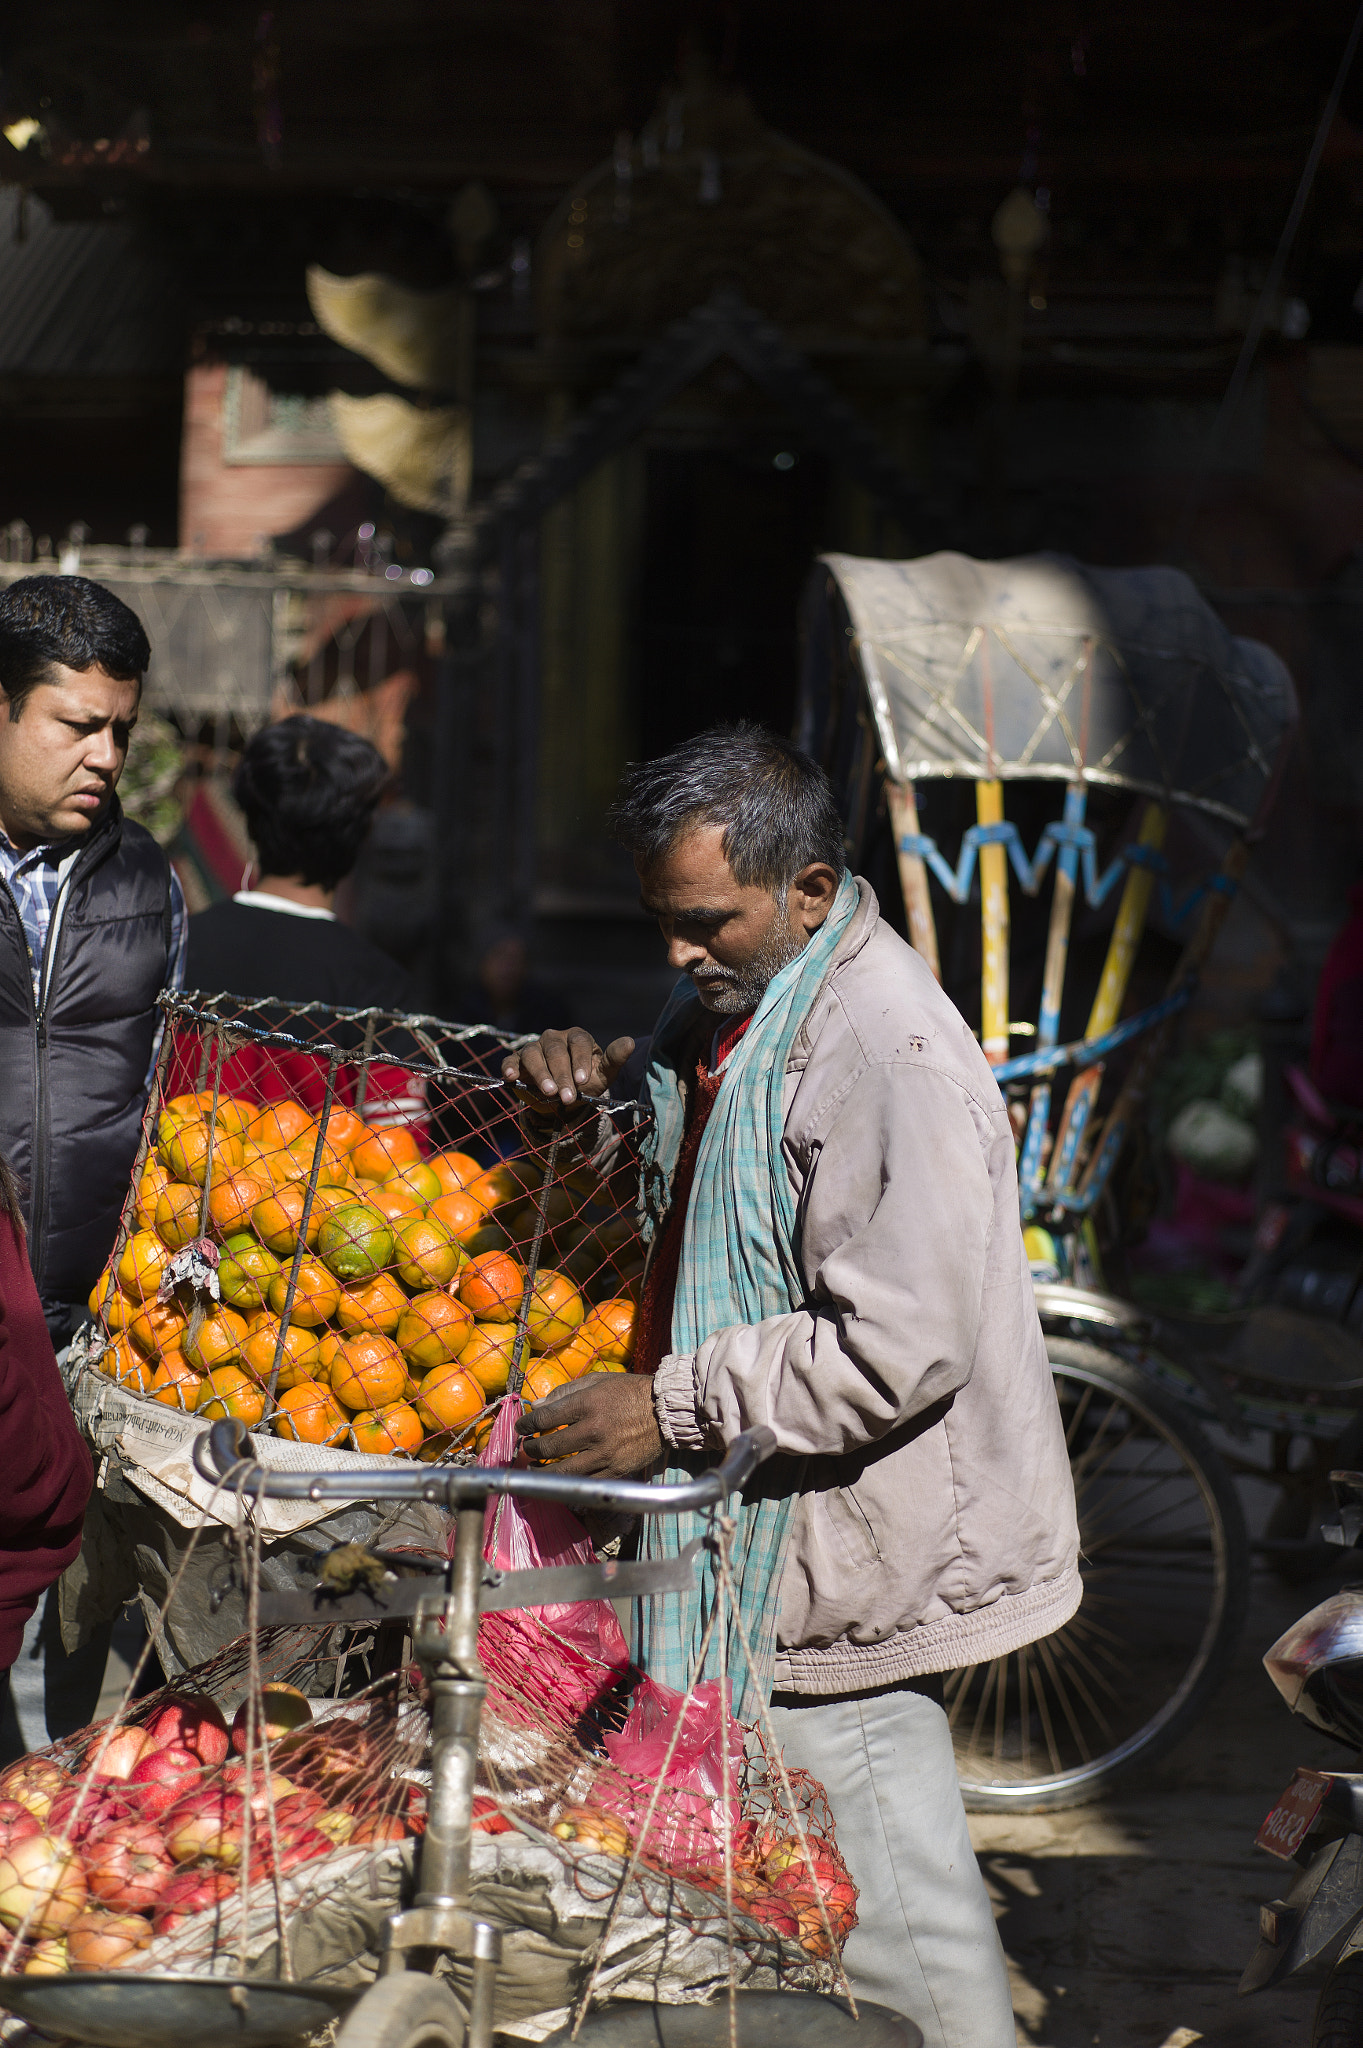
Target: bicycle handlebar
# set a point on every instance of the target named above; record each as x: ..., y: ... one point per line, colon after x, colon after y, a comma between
x: 222, y: 1453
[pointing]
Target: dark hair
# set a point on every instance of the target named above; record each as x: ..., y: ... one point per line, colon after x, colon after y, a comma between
x: 775, y: 804
x: 45, y: 620
x: 10, y: 1196
x: 309, y: 791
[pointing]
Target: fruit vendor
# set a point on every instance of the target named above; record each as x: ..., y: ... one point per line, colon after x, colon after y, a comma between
x: 92, y: 926
x: 830, y: 1200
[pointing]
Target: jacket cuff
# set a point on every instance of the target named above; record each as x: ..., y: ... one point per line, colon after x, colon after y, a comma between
x: 674, y: 1404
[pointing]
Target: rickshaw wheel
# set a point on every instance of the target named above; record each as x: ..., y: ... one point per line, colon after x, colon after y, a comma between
x: 1165, y: 1563
x: 407, y: 2010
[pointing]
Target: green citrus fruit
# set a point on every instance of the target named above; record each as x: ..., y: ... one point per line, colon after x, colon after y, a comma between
x: 245, y: 1272
x: 355, y: 1242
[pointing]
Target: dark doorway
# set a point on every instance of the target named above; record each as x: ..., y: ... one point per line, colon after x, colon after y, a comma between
x: 727, y: 542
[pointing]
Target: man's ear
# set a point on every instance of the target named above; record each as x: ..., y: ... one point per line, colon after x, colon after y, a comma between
x: 811, y: 895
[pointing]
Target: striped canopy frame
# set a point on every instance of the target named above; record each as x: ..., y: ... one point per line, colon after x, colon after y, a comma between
x: 1046, y: 669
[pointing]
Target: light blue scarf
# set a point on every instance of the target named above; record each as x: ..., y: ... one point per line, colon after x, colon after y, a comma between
x: 740, y: 1263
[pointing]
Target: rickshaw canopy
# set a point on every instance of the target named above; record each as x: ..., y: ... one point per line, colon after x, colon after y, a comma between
x: 1046, y: 667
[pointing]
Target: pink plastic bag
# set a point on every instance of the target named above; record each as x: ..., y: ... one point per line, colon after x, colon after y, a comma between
x: 688, y: 1823
x: 564, y: 1655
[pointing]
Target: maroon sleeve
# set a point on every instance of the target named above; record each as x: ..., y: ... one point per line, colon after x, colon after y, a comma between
x: 46, y: 1466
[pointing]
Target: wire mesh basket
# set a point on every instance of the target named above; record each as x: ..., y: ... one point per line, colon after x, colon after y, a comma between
x: 338, y: 1231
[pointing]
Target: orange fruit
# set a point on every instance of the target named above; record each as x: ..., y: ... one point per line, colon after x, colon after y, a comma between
x: 217, y: 1342
x: 376, y: 1304
x: 424, y: 1253
x: 294, y: 1162
x: 344, y: 1129
x: 381, y: 1153
x: 187, y: 1154
x: 369, y: 1373
x: 354, y: 1241
x: 487, y: 1354
x: 175, y: 1384
x: 277, y: 1124
x: 156, y: 1328
x: 448, y: 1398
x: 302, y: 1352
x: 245, y: 1271
x: 556, y: 1310
x: 434, y: 1327
x: 154, y: 1177
x: 419, y: 1179
x: 489, y: 1237
x: 609, y: 1328
x: 316, y: 1294
x: 279, y: 1218
x: 559, y: 1211
x: 120, y: 1363
x: 143, y: 1261
x: 394, y: 1202
x: 460, y: 1215
x: 491, y: 1285
x: 439, y: 1442
x: 177, y: 1214
x: 330, y: 1347
x: 387, y: 1431
x: 543, y: 1375
x: 496, y: 1186
x: 454, y: 1170
x: 576, y: 1357
x: 230, y: 1391
x: 116, y: 1311
x: 310, y: 1415
x: 231, y: 1200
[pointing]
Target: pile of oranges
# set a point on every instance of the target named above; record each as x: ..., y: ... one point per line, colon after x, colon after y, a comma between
x: 401, y: 1326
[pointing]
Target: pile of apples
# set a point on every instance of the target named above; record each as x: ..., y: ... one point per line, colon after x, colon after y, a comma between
x: 400, y: 1333
x: 773, y: 1881
x: 91, y: 1872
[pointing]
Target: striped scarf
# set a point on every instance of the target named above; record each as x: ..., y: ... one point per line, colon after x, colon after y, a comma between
x: 740, y: 1263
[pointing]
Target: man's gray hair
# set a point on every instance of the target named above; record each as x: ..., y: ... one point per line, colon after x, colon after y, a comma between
x: 776, y: 806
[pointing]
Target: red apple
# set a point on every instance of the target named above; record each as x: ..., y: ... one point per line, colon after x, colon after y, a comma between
x: 42, y: 1887
x: 189, y: 1892
x: 15, y: 1822
x: 190, y: 1721
x: 117, y: 1757
x: 101, y: 1804
x: 45, y: 1959
x: 106, y: 1941
x: 280, y: 1711
x: 206, y: 1823
x: 336, y: 1824
x: 125, y: 1869
x: 161, y: 1776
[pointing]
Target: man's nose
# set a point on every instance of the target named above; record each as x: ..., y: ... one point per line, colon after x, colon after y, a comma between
x: 684, y: 954
x: 104, y: 755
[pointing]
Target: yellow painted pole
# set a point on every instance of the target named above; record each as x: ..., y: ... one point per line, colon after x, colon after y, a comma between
x: 1107, y: 1004
x: 913, y: 873
x: 994, y: 922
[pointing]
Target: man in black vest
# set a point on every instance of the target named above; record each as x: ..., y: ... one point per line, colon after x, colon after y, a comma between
x: 92, y: 926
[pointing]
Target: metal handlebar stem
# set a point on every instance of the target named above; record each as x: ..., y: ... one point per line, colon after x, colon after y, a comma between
x: 445, y: 1642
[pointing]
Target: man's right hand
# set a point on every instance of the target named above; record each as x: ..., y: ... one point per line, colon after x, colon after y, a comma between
x: 566, y: 1064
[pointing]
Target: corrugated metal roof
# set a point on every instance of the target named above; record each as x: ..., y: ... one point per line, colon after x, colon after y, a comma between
x: 83, y: 299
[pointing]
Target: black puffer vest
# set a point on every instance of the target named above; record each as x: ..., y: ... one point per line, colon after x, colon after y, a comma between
x: 73, y: 1064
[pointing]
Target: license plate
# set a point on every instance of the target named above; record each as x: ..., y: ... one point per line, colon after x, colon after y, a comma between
x: 1283, y: 1833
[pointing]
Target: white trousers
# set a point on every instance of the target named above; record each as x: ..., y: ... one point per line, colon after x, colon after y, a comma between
x: 925, y: 1943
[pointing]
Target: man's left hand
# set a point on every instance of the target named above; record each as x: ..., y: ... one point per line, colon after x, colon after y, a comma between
x: 600, y: 1427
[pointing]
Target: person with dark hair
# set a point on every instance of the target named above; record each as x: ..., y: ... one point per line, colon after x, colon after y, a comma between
x: 308, y: 791
x: 48, y: 1474
x: 834, y: 1253
x: 92, y: 926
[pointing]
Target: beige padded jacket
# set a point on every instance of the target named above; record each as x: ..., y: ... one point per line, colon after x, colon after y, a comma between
x: 935, y: 1525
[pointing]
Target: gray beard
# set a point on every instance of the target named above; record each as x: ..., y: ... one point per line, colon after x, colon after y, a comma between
x: 729, y: 991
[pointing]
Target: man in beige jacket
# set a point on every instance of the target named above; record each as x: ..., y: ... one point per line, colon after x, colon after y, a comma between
x: 933, y: 1521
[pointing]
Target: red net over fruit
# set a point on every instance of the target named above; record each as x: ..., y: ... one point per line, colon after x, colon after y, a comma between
x: 337, y: 1233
